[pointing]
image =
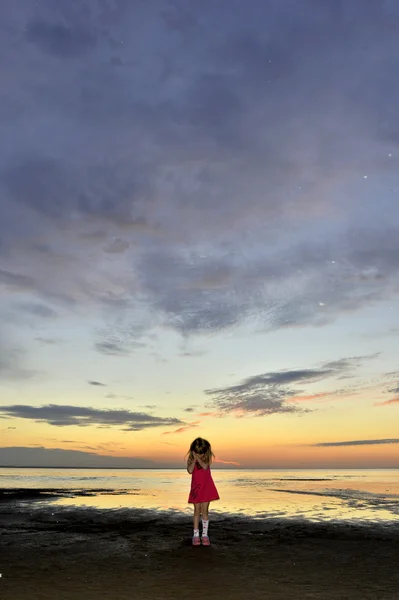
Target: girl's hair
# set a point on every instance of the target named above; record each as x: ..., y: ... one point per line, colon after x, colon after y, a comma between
x: 203, y: 447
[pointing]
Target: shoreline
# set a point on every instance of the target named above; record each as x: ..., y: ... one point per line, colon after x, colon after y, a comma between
x: 50, y: 552
x: 21, y: 499
x: 41, y: 494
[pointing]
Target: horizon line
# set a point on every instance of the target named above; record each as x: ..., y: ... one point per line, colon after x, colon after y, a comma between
x: 233, y: 468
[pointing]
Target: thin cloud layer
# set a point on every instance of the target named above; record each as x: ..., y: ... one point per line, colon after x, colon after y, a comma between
x: 183, y: 429
x: 82, y: 416
x: 360, y: 442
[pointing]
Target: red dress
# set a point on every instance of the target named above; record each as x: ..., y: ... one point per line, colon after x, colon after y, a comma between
x: 203, y: 488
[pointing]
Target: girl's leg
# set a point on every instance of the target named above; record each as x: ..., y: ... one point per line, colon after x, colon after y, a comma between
x: 205, y: 518
x: 196, y: 520
x: 204, y: 510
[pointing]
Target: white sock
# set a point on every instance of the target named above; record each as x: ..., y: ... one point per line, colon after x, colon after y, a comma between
x: 205, y: 527
x: 196, y: 532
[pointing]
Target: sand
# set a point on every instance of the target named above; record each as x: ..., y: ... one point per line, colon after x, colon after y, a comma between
x: 48, y: 552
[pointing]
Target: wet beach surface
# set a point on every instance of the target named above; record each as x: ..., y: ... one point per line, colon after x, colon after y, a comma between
x: 50, y: 552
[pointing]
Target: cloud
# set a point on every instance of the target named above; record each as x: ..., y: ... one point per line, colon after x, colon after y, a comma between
x: 192, y: 353
x: 231, y: 189
x: 47, y: 341
x: 60, y: 40
x: 56, y: 457
x: 16, y: 280
x: 112, y: 348
x: 226, y: 462
x: 183, y: 429
x: 306, y: 283
x: 394, y: 390
x: 278, y: 392
x: 388, y: 402
x: 36, y: 309
x: 359, y: 443
x: 117, y: 246
x: 82, y: 416
x: 321, y: 397
x: 96, y: 383
x: 214, y: 414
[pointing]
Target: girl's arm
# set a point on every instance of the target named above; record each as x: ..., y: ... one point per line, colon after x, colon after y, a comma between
x: 204, y: 465
x: 190, y: 464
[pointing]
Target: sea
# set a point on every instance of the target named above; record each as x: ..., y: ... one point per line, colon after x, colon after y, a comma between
x: 355, y: 496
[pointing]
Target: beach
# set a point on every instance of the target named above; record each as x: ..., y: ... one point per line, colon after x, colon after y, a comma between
x: 50, y: 552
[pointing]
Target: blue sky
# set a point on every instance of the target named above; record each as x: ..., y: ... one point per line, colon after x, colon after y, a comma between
x: 199, y: 227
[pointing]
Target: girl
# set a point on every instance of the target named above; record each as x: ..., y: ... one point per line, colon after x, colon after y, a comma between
x: 203, y: 490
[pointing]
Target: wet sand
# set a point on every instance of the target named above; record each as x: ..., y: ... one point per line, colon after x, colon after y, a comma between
x: 48, y: 552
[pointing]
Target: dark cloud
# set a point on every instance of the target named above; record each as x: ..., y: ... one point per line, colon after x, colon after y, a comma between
x: 37, y: 309
x: 16, y: 280
x: 60, y: 40
x: 61, y: 189
x: 47, y: 341
x: 117, y: 246
x: 360, y: 442
x: 112, y: 348
x: 271, y: 393
x: 231, y: 187
x: 96, y: 383
x: 82, y: 416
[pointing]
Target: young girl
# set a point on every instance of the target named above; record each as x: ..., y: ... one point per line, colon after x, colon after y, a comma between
x: 203, y: 490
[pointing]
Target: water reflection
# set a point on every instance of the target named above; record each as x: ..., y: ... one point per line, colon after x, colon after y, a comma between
x: 358, y: 495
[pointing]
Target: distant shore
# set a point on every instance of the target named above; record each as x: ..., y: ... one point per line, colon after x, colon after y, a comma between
x: 51, y: 552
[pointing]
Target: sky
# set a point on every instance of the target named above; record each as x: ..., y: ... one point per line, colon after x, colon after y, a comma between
x: 199, y: 232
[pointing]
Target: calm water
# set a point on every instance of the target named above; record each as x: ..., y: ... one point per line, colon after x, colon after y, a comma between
x: 315, y: 495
